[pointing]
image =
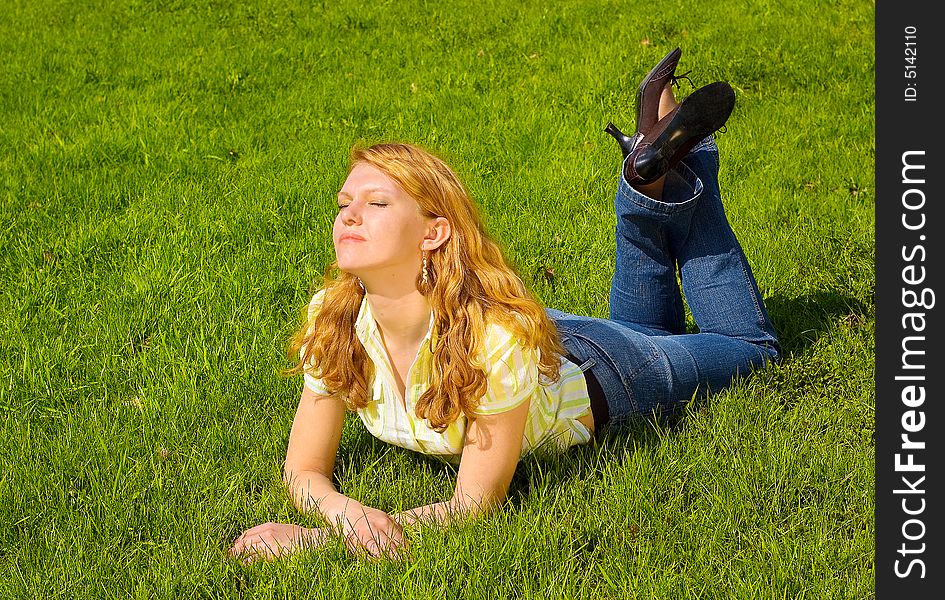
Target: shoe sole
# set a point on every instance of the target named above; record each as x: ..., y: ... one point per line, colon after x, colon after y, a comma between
x: 700, y: 114
x: 660, y: 70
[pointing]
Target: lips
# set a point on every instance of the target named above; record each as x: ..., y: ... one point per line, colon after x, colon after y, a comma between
x: 350, y: 237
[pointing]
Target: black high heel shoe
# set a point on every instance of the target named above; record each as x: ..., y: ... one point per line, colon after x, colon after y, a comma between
x: 700, y: 114
x: 626, y: 142
x: 648, y: 100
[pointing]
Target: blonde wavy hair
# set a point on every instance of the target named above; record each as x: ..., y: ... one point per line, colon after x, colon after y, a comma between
x: 470, y: 284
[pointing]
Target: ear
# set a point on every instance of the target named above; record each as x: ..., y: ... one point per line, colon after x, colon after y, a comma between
x: 438, y: 232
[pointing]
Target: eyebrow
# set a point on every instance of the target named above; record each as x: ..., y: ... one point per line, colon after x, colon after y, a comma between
x: 368, y: 191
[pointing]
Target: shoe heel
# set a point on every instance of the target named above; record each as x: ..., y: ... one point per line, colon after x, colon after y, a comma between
x: 626, y: 142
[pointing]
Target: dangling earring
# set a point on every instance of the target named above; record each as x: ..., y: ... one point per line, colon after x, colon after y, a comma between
x: 360, y: 283
x: 425, y: 270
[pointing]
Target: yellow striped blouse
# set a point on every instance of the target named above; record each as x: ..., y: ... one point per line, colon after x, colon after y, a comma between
x: 512, y: 378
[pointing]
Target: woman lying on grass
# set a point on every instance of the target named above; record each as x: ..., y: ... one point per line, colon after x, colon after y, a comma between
x: 425, y: 331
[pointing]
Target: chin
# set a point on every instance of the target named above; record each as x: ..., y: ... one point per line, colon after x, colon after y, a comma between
x: 346, y: 262
x: 349, y: 267
x: 357, y: 268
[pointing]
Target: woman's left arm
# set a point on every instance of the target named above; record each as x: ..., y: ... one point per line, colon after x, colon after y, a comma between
x: 490, y: 454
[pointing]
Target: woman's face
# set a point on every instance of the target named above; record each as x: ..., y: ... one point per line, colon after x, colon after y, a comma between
x: 379, y: 228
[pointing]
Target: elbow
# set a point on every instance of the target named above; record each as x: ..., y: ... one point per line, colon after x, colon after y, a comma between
x: 289, y: 474
x: 478, y: 504
x: 292, y: 475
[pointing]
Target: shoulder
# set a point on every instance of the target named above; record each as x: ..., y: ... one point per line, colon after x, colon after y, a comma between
x: 315, y: 304
x: 511, y: 370
x: 501, y: 339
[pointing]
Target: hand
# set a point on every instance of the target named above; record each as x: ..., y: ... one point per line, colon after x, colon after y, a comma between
x: 270, y: 540
x: 372, y: 531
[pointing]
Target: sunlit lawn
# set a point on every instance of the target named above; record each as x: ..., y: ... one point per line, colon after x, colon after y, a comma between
x: 167, y: 172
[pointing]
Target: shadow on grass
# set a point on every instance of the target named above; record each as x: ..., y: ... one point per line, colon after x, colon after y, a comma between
x: 536, y: 471
x: 613, y: 447
x: 364, y: 452
x: 801, y: 320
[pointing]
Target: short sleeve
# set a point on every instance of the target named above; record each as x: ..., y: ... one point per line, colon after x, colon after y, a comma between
x: 315, y: 384
x: 312, y: 381
x: 511, y: 372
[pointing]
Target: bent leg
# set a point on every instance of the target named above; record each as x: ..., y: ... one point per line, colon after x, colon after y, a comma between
x: 641, y: 374
x: 647, y: 368
x: 717, y: 280
x: 687, y: 226
x: 643, y: 292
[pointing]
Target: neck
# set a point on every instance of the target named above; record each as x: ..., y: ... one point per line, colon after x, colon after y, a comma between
x: 403, y: 315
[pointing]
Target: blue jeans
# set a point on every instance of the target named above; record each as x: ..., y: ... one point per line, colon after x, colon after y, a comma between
x: 641, y: 356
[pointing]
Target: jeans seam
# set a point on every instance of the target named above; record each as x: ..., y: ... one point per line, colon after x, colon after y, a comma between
x: 748, y: 281
x: 653, y: 356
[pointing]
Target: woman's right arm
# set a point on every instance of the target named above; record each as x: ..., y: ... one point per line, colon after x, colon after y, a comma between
x: 310, y: 457
x: 309, y: 463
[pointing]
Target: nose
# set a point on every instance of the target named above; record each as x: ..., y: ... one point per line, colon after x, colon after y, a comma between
x: 351, y: 214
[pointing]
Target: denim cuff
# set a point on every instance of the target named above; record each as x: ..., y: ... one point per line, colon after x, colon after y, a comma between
x: 681, y: 188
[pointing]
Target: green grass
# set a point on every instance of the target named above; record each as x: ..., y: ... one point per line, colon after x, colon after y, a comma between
x: 167, y: 172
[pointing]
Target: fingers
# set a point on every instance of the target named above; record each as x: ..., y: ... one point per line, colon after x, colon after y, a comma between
x: 249, y: 551
x: 373, y: 535
x: 374, y: 547
x: 265, y: 541
x: 252, y: 548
